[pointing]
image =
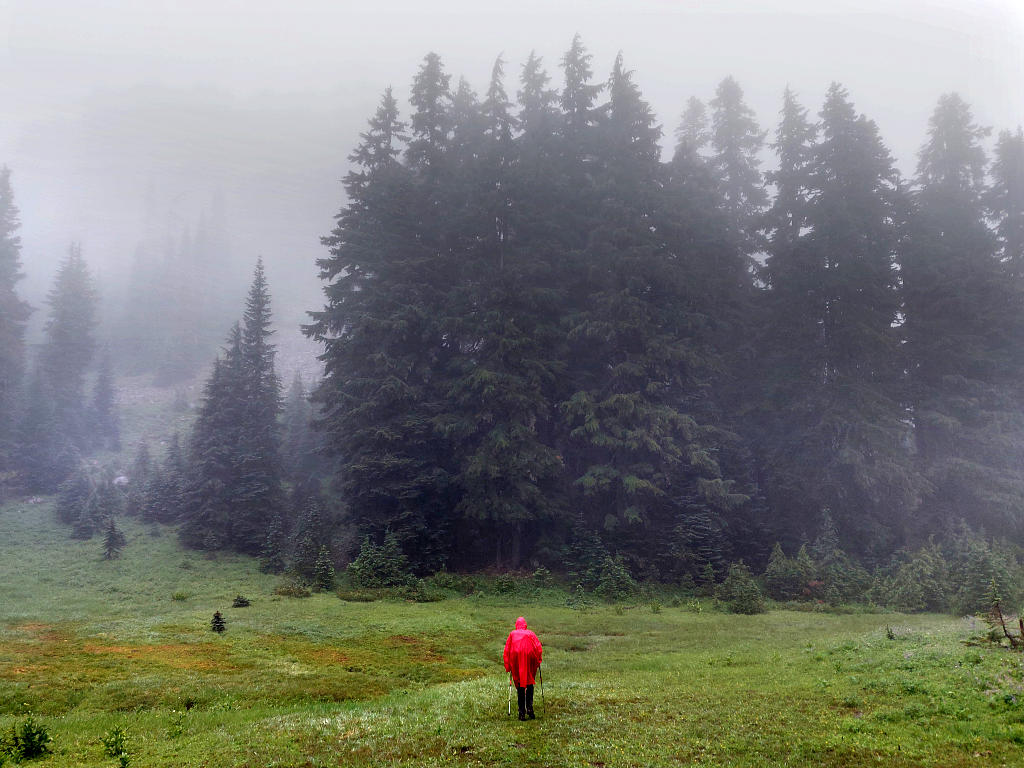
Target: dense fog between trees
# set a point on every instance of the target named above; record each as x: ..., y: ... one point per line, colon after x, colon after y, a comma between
x: 552, y: 332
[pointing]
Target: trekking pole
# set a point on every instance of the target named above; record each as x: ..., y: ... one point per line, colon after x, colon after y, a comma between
x: 543, y: 706
x: 510, y: 695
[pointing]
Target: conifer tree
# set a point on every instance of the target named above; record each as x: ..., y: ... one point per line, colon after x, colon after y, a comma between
x: 14, y: 312
x: 497, y: 393
x: 109, y: 500
x: 693, y: 134
x: 1005, y: 199
x: 323, y: 571
x: 737, y: 139
x: 839, y: 441
x: 962, y: 373
x: 69, y: 346
x: 142, y: 463
x: 639, y: 451
x: 273, y: 554
x: 234, y: 487
x: 578, y: 97
x: 311, y: 535
x: 258, y: 495
x: 782, y: 576
x: 165, y: 488
x: 45, y: 458
x: 431, y: 123
x: 299, y: 444
x: 138, y: 481
x: 380, y: 327
x: 789, y: 345
x: 113, y: 540
x: 73, y: 497
x: 786, y: 219
x: 538, y: 118
x: 212, y: 453
x: 106, y: 430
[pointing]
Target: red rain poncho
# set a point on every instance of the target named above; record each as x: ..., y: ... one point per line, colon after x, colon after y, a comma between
x: 523, y: 653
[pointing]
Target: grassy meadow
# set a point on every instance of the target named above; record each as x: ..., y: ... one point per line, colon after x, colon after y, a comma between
x: 89, y: 645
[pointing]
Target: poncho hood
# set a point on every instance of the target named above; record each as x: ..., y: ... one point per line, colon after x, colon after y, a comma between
x: 520, y: 623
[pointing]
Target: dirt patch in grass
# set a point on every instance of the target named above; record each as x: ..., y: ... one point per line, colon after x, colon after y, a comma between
x: 30, y: 669
x: 202, y: 656
x: 325, y: 656
x: 419, y: 650
x: 45, y: 633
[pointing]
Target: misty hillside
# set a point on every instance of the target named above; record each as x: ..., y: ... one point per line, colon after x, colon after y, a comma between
x: 677, y: 345
x: 554, y: 336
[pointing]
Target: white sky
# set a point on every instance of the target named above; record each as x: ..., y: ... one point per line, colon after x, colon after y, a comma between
x: 263, y: 99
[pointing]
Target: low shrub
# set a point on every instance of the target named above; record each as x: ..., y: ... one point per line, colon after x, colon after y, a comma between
x: 241, y: 602
x: 25, y: 740
x: 543, y: 579
x: 739, y: 592
x: 380, y: 566
x: 614, y: 581
x: 217, y: 623
x: 323, y: 571
x: 421, y: 592
x: 115, y: 744
x: 357, y: 595
x: 456, y: 582
x: 578, y: 599
x: 291, y: 589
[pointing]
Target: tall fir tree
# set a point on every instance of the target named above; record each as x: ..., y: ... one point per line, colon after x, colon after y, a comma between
x: 642, y: 454
x: 958, y: 322
x: 234, y: 486
x: 1005, y: 199
x: 299, y: 447
x: 380, y: 328
x: 578, y: 98
x: 14, y: 313
x: 258, y: 495
x: 70, y: 344
x: 737, y: 140
x: 693, y: 134
x: 841, y: 441
x: 500, y: 376
x: 212, y: 452
x: 105, y: 428
x: 40, y: 446
x: 431, y: 123
x: 163, y: 498
x: 789, y: 348
x: 138, y: 479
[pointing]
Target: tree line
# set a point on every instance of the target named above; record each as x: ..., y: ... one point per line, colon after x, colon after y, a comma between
x: 544, y: 342
x: 539, y: 332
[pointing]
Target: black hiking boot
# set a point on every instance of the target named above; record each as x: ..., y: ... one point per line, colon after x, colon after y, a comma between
x: 530, y: 715
x: 522, y: 717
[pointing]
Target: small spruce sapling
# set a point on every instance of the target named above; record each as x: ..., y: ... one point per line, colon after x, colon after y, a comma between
x: 997, y: 621
x: 217, y: 624
x: 25, y: 741
x: 115, y: 744
x: 740, y: 592
x: 113, y: 540
x: 323, y: 571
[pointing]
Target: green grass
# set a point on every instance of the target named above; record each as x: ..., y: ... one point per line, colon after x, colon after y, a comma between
x: 89, y: 645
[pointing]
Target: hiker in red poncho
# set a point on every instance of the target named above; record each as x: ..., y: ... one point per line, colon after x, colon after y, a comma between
x: 523, y: 653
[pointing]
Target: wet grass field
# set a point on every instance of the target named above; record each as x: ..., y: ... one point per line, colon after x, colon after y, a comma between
x: 89, y: 645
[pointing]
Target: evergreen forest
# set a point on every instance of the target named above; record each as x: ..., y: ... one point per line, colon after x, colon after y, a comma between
x: 557, y: 335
